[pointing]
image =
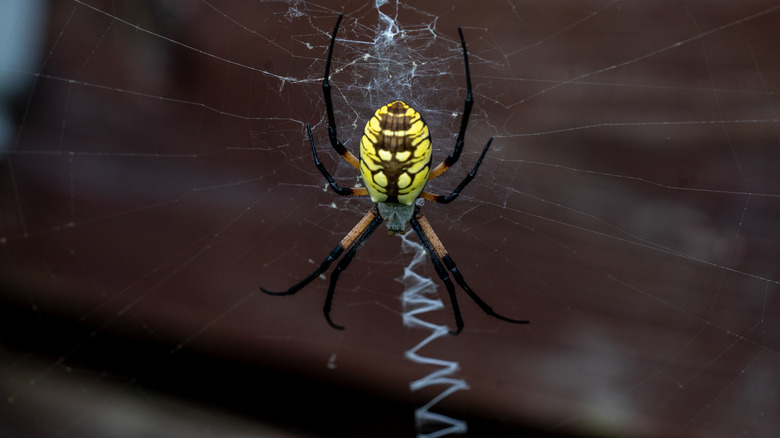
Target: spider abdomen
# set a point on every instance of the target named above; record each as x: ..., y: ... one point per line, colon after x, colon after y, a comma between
x: 395, y: 154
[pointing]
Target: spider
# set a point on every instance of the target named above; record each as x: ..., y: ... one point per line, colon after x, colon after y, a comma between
x: 395, y: 163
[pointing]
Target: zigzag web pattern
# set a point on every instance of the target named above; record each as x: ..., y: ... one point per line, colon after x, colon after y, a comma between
x: 418, y: 298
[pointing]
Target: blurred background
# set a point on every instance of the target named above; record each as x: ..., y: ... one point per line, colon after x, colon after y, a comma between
x: 155, y: 172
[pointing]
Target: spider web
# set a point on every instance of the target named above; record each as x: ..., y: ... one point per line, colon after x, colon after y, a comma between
x: 157, y: 173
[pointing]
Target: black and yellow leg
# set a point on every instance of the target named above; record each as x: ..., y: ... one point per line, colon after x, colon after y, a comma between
x: 332, y: 131
x: 441, y: 199
x: 464, y: 121
x: 444, y: 266
x: 352, y: 250
x: 350, y: 243
x: 343, y: 191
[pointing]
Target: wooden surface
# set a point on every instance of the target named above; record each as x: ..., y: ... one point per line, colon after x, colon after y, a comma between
x: 628, y: 208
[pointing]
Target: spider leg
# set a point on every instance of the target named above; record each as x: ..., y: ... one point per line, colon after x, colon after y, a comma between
x: 451, y: 197
x: 332, y: 132
x: 439, y: 255
x: 340, y: 190
x: 464, y: 121
x: 357, y: 234
x: 344, y: 263
x: 450, y: 264
x: 442, y: 273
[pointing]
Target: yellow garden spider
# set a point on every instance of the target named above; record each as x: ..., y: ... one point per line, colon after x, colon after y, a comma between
x: 395, y: 163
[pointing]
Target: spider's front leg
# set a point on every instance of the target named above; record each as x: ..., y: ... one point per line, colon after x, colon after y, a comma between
x: 444, y: 265
x: 350, y: 243
x: 364, y: 233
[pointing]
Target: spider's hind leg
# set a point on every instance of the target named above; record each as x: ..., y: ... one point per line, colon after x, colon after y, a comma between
x: 326, y: 91
x: 464, y: 121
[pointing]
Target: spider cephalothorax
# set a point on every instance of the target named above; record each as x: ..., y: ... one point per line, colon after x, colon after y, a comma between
x: 395, y: 163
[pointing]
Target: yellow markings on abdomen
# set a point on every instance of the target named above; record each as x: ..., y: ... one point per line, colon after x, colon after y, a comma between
x: 395, y: 154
